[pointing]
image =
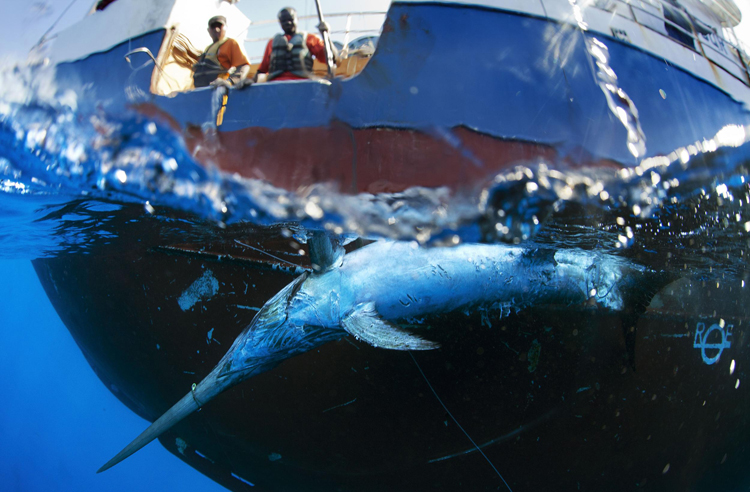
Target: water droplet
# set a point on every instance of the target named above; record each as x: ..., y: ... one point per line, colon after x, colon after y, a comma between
x: 121, y: 176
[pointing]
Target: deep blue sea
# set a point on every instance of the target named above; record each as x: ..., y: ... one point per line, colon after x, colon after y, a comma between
x: 58, y: 421
x: 56, y: 414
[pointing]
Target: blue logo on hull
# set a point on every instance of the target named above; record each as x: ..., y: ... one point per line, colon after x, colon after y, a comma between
x: 701, y: 341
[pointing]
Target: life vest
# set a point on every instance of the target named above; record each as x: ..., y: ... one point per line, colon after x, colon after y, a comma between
x: 290, y: 56
x: 208, y: 67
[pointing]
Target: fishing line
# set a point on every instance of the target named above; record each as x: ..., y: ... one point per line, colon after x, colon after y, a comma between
x: 44, y: 36
x: 265, y: 253
x: 456, y: 421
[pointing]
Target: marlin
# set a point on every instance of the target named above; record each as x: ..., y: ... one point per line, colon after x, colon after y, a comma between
x: 366, y: 292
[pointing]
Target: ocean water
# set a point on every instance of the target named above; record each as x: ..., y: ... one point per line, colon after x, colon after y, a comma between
x: 56, y: 414
x: 66, y: 181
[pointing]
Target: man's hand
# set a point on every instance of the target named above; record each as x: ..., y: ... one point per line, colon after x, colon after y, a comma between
x: 233, y: 83
x: 240, y: 77
x: 324, y: 27
x: 220, y: 83
x: 246, y: 82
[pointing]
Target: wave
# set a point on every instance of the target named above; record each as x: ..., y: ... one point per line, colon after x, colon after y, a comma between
x: 52, y: 155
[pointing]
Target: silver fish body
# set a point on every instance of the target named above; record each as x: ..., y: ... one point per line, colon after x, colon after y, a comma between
x: 402, y: 280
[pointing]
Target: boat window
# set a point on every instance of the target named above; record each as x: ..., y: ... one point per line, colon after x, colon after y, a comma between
x: 103, y: 4
x: 707, y: 32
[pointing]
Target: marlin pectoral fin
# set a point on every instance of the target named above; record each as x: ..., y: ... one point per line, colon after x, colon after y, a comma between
x: 364, y: 322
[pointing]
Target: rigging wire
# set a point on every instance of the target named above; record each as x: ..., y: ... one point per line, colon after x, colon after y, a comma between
x: 266, y: 253
x: 44, y: 36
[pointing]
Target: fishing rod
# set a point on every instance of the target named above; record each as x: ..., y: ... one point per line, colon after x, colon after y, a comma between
x: 326, y: 39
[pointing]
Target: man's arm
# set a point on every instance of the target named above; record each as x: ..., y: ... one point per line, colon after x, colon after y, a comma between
x: 238, y: 60
x: 324, y: 27
x: 239, y: 78
x: 317, y: 48
x: 231, y: 54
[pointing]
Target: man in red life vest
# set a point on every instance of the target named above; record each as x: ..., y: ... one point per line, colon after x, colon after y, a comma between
x: 222, y: 55
x: 289, y: 56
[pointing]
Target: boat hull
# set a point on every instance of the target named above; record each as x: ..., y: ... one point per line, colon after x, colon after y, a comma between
x: 453, y: 96
x: 152, y: 316
x: 441, y: 103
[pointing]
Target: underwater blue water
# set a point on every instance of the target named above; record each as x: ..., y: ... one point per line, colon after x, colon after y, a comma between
x: 57, y: 420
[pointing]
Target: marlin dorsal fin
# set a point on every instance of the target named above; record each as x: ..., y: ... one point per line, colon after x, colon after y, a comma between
x: 540, y: 256
x: 364, y: 322
x: 326, y: 251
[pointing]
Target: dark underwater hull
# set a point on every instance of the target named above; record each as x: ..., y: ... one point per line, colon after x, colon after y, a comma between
x: 551, y: 395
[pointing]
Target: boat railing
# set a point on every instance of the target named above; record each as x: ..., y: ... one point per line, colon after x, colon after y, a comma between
x: 720, y: 46
x: 343, y: 27
x: 173, y: 73
x: 709, y: 42
x: 714, y: 44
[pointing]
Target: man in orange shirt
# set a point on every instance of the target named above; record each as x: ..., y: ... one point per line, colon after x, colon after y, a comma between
x: 223, y: 54
x: 289, y: 56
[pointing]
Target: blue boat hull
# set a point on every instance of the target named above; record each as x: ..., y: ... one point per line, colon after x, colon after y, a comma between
x: 452, y: 96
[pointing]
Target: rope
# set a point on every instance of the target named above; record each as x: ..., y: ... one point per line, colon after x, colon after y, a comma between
x: 192, y: 391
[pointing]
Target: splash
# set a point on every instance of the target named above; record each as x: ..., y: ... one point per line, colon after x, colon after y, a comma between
x: 618, y: 101
x: 52, y: 155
